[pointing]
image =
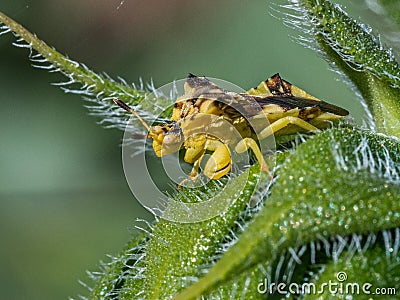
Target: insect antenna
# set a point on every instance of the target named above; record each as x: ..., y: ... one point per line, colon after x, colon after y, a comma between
x: 125, y: 106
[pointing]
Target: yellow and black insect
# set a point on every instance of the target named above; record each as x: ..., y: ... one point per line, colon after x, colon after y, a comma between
x: 204, y: 106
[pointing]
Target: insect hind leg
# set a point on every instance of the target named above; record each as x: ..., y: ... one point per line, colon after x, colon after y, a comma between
x: 282, y: 123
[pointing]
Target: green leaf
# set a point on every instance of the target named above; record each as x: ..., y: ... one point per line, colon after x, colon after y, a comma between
x: 351, y: 47
x: 361, y: 269
x: 98, y: 89
x: 173, y: 252
x: 176, y: 251
x: 115, y: 274
x: 341, y: 182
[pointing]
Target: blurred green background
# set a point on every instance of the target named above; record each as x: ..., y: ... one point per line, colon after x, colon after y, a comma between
x: 64, y: 201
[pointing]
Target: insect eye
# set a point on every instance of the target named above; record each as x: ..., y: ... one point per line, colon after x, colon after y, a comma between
x: 171, y: 139
x: 156, y: 129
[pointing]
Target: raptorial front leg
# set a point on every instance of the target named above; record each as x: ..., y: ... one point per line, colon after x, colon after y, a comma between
x: 219, y: 163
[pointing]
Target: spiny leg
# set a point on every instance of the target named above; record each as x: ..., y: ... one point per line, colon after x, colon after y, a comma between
x: 249, y: 143
x: 195, y: 170
x: 193, y: 174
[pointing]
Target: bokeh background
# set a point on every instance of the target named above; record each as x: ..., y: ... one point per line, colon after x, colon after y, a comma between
x: 64, y: 201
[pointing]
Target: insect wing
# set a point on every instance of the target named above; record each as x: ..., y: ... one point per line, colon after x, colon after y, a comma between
x: 291, y: 102
x: 285, y: 96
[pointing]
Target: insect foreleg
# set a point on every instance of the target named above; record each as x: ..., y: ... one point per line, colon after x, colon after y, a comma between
x: 220, y: 162
x: 218, y: 165
x: 283, y: 122
x: 195, y: 147
x: 194, y: 173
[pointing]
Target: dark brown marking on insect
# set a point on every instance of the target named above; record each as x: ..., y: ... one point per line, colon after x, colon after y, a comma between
x: 305, y: 113
x: 197, y: 82
x: 223, y: 167
x: 199, y: 101
x: 277, y: 100
x: 278, y: 86
x: 173, y: 128
x: 287, y: 87
x: 297, y: 102
x: 274, y: 84
x: 202, y: 86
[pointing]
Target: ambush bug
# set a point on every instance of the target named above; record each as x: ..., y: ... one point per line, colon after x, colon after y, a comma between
x: 287, y: 108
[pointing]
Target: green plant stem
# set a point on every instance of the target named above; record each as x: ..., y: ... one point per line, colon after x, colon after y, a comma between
x: 382, y: 99
x: 351, y: 47
x: 374, y: 268
x: 95, y: 83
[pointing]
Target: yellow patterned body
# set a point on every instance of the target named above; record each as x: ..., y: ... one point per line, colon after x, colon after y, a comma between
x: 274, y: 107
